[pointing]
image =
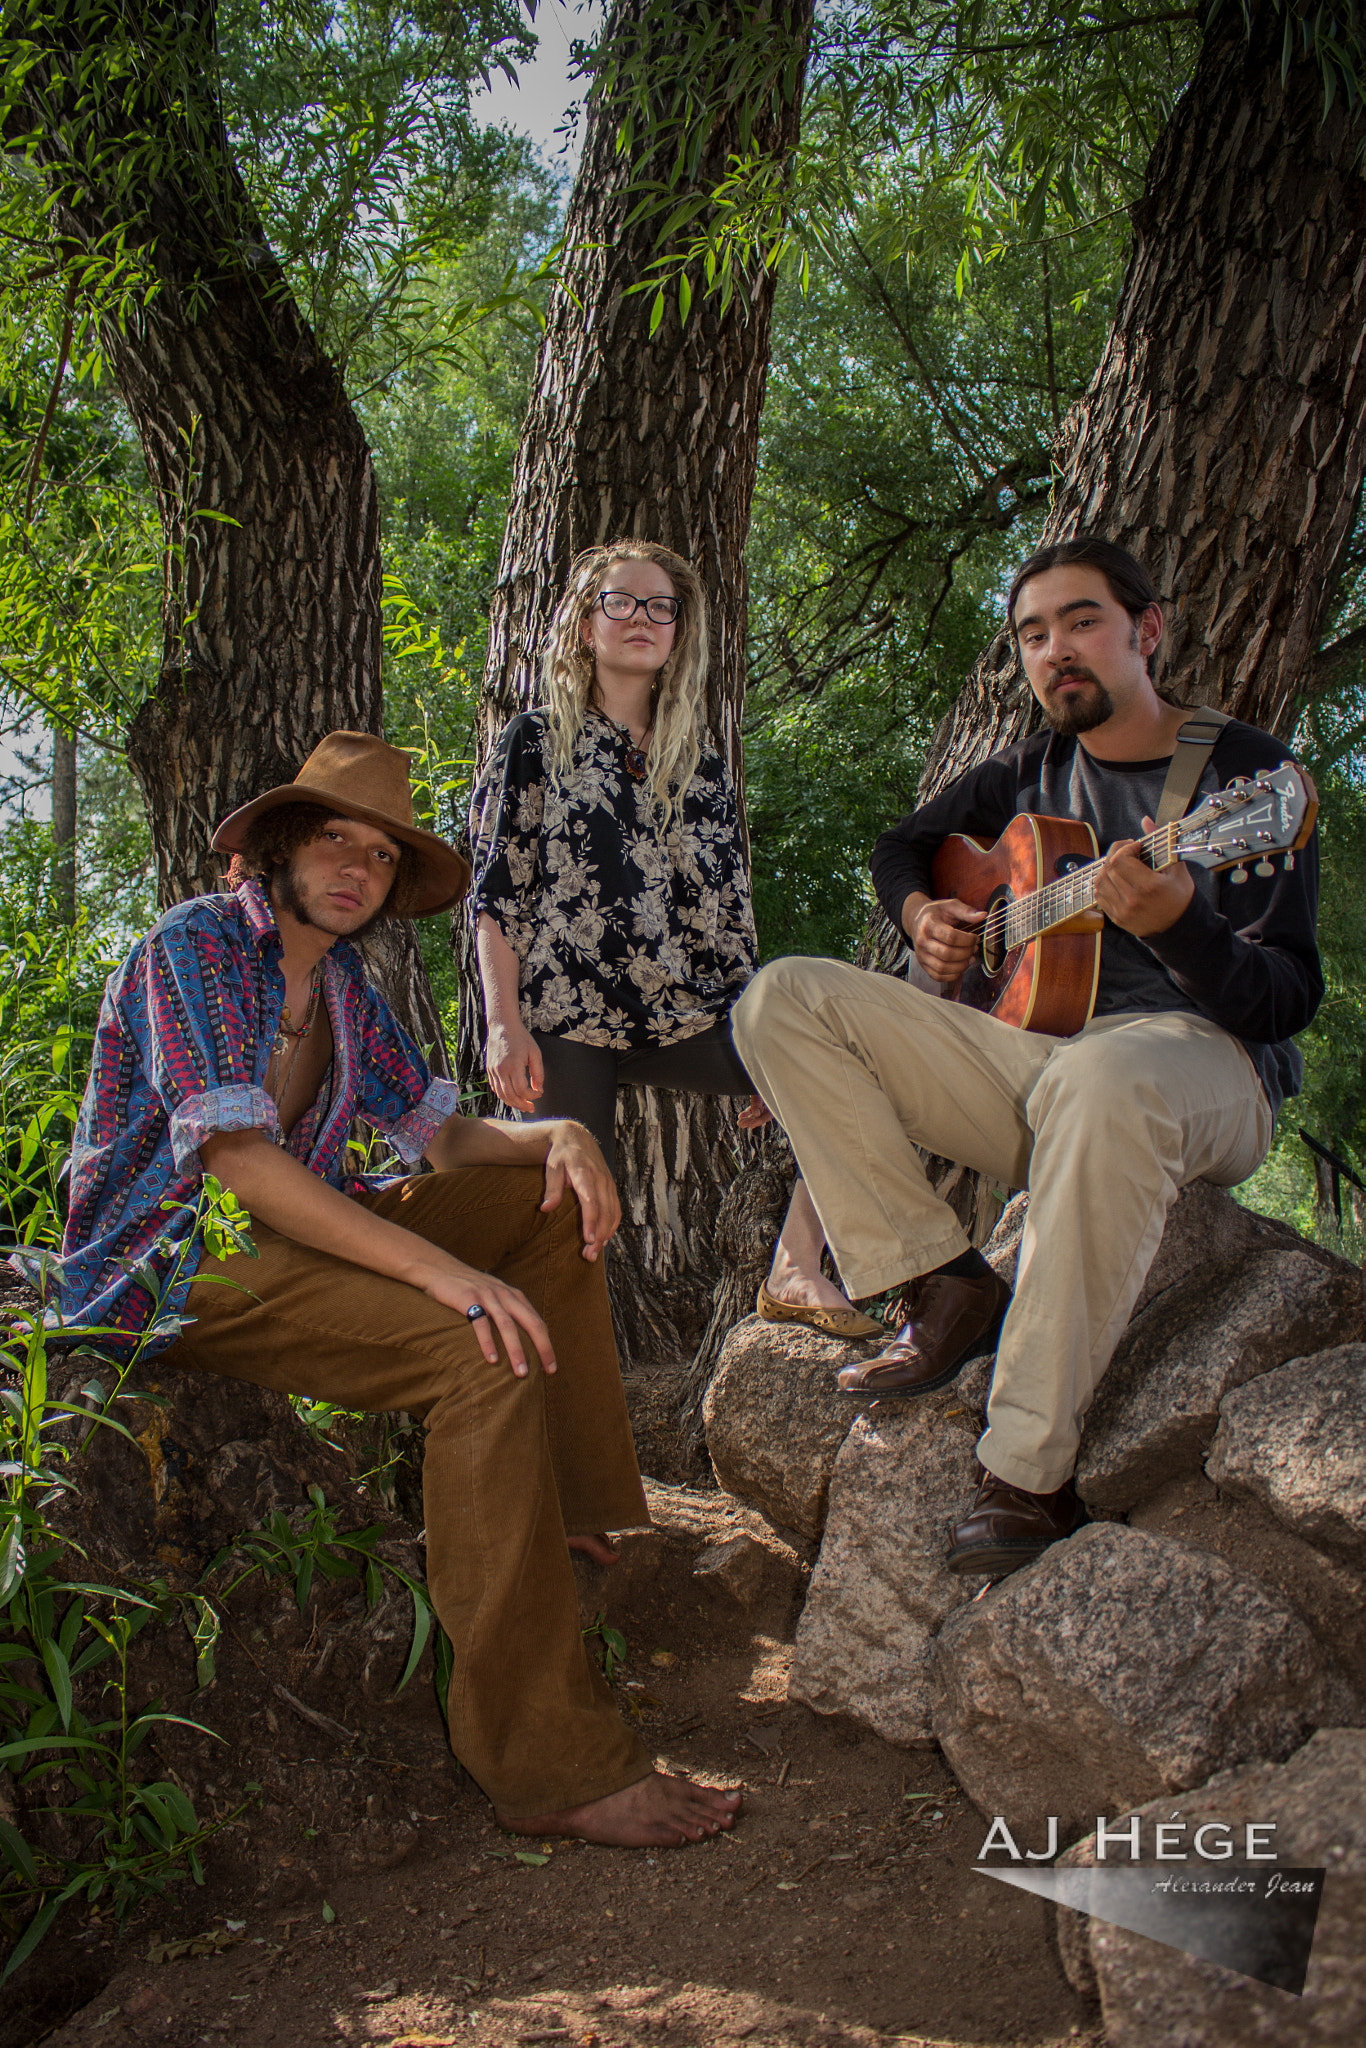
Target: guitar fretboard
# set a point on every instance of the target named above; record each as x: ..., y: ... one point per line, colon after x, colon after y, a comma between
x: 1013, y: 924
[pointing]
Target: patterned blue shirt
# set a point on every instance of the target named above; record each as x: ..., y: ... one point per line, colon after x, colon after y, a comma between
x: 181, y: 1050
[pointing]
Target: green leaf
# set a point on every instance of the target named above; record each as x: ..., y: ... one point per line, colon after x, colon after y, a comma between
x: 422, y: 1623
x: 59, y: 1672
x: 329, y: 1914
x: 32, y: 1935
x: 12, y: 1561
x: 532, y: 1856
x: 16, y: 1852
x: 178, y: 1803
x: 657, y: 311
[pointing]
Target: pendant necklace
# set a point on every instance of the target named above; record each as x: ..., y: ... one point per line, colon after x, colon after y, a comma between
x: 283, y: 1035
x: 636, y: 757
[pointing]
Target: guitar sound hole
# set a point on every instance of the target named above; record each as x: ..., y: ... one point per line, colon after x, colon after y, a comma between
x: 994, y: 934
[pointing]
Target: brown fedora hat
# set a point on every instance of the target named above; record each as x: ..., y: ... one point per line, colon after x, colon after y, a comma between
x: 356, y: 775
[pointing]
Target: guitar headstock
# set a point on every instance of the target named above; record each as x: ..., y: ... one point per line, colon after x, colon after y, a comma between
x: 1253, y: 818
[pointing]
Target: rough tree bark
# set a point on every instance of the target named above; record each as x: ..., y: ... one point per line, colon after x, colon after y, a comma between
x: 657, y: 439
x: 1223, y: 436
x: 271, y: 585
x: 64, y: 824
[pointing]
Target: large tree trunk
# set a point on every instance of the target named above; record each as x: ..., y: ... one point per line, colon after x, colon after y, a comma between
x: 656, y: 439
x: 1223, y: 437
x: 271, y: 587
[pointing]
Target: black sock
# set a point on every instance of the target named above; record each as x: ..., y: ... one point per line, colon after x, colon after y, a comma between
x: 969, y: 1265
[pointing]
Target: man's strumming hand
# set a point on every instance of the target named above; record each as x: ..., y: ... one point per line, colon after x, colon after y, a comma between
x: 1137, y: 898
x: 943, y: 934
x: 575, y: 1157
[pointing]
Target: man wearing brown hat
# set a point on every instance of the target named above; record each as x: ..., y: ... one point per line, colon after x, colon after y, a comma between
x: 241, y: 1038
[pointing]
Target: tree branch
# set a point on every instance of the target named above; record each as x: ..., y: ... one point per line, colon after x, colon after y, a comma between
x: 35, y: 460
x: 1331, y: 661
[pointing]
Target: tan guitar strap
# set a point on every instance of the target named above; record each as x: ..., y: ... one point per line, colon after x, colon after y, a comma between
x: 1194, y: 745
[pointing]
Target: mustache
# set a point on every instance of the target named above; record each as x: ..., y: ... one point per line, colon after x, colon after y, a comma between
x: 1075, y: 674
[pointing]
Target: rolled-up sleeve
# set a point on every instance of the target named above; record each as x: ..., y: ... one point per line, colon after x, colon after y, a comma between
x: 218, y: 1109
x: 413, y: 1132
x: 193, y: 1015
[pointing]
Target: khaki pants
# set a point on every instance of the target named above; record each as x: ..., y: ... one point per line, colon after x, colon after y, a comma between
x: 1103, y: 1129
x: 512, y: 1466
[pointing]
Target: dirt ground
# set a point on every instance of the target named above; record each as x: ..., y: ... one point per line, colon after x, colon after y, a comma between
x: 364, y: 1894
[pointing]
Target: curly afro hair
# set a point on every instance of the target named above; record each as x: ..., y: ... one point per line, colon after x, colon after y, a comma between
x: 273, y: 839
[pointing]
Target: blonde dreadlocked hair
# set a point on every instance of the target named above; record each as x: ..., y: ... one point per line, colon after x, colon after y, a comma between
x: 567, y: 672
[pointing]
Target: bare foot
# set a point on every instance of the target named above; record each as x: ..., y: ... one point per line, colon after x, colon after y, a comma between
x: 601, y: 1549
x: 803, y: 1286
x: 656, y: 1812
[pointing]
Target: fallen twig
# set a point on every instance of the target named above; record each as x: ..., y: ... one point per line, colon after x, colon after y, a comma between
x: 315, y: 1719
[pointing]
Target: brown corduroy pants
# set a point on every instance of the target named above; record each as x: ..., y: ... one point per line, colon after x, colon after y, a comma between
x: 512, y: 1466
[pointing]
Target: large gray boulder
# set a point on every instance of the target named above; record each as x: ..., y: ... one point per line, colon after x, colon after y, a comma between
x: 1156, y: 1410
x: 774, y: 1421
x: 1296, y: 1441
x: 880, y: 1590
x: 1205, y: 1227
x: 1153, y: 1996
x: 1119, y: 1667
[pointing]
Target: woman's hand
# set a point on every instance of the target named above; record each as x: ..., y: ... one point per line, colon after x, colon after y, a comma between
x: 575, y: 1156
x: 506, y: 1309
x: 755, y: 1114
x: 514, y: 1066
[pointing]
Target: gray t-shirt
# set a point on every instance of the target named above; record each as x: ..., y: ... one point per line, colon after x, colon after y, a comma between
x: 1113, y: 798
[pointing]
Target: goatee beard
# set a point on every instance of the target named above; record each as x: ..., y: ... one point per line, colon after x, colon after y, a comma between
x: 1079, y: 714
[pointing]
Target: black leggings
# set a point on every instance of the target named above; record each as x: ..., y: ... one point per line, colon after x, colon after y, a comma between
x: 581, y: 1081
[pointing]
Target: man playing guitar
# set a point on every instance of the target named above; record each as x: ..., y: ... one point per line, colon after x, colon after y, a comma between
x: 1203, y: 980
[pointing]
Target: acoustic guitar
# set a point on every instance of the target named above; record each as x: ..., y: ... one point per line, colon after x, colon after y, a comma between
x: 1038, y: 954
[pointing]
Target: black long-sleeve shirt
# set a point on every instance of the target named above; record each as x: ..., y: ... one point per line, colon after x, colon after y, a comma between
x: 1242, y: 954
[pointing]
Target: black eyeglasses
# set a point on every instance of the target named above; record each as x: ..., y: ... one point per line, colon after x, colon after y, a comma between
x: 619, y: 604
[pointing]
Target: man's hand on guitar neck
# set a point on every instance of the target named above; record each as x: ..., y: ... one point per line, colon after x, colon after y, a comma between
x: 1137, y: 898
x: 943, y: 935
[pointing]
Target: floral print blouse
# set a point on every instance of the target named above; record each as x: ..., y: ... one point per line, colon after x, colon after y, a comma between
x: 627, y: 934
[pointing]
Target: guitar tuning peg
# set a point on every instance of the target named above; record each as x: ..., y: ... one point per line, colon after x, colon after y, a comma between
x: 1239, y: 875
x: 1289, y: 862
x: 1263, y: 869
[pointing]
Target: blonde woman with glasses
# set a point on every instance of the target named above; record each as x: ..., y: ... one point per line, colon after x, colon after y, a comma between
x: 613, y: 918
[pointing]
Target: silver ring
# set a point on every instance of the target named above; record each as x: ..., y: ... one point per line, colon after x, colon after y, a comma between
x: 473, y: 1314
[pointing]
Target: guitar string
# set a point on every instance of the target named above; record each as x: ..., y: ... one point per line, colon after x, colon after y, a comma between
x: 1010, y: 917
x: 1054, y: 895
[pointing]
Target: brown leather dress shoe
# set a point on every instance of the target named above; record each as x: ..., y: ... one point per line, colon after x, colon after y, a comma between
x: 1007, y: 1527
x: 949, y: 1322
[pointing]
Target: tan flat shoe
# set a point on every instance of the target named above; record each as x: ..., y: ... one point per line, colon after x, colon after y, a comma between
x: 832, y: 1322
